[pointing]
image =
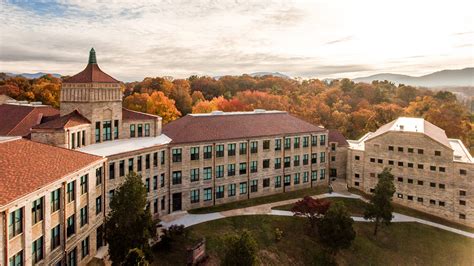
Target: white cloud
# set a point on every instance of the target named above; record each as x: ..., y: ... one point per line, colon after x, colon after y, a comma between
x: 337, y: 38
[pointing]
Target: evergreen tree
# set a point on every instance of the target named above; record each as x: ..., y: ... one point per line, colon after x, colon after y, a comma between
x: 129, y: 224
x: 380, y: 207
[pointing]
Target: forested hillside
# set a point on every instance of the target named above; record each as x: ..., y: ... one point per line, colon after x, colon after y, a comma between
x: 352, y: 108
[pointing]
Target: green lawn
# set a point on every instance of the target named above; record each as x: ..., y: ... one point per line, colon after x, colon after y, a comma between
x: 262, y: 200
x: 354, y: 206
x: 397, y: 244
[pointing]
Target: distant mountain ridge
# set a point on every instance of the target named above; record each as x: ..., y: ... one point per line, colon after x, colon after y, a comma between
x: 452, y: 78
x: 33, y: 75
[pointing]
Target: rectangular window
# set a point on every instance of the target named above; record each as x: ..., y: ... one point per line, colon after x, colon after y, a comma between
x: 207, y: 173
x: 97, y: 131
x: 73, y: 140
x: 72, y: 258
x: 55, y: 237
x: 322, y: 140
x: 432, y: 202
x: 437, y: 153
x: 410, y: 165
x: 462, y: 216
x: 305, y: 142
x: 107, y: 130
x: 266, y: 144
x: 400, y: 179
x: 266, y: 182
x: 195, y: 196
x: 266, y: 163
x: 130, y: 164
x: 287, y: 161
x: 155, y: 182
x: 314, y: 158
x: 84, y: 183
x: 37, y: 211
x: 314, y: 175
x: 37, y: 249
x: 277, y: 181
x: 132, y: 131
x: 147, y: 161
x: 420, y: 183
x: 420, y: 166
x: 380, y: 161
x: 243, y: 148
x: 231, y: 149
x: 420, y: 151
x: 194, y: 174
x: 230, y: 169
x: 194, y: 153
x: 147, y: 130
x: 85, y: 247
x: 390, y: 148
x: 84, y: 215
x: 207, y: 152
x: 410, y: 181
x: 433, y: 168
x: 162, y: 157
x: 305, y: 159
x: 121, y: 167
x: 17, y: 259
x: 176, y: 177
x: 55, y: 200
x: 220, y: 192
x: 116, y: 129
x: 441, y: 203
x: 400, y: 164
x: 253, y: 147
x: 71, y: 226
x: 155, y: 206
x: 176, y: 155
x: 400, y: 149
x: 111, y: 170
x: 287, y: 143
x: 296, y: 143
x: 98, y: 176
x: 462, y: 193
x: 287, y: 181
x: 277, y: 144
x: 219, y: 171
x: 254, y: 186
x: 147, y: 184
x: 220, y: 150
x: 98, y: 205
x: 322, y: 156
x: 441, y: 186
x: 432, y: 184
x: 296, y: 179
x: 15, y: 226
x: 462, y: 171
x: 139, y: 130
x: 232, y: 190
x: 420, y: 200
x: 442, y: 169
x: 357, y: 157
x: 243, y: 168
x: 296, y: 161
x: 277, y: 163
x: 207, y: 194
x: 139, y: 163
x: 162, y: 180
x: 305, y: 177
x: 253, y: 166
x: 314, y: 140
x: 71, y: 191
x: 462, y: 202
x: 243, y: 188
x: 322, y: 174
x: 155, y: 159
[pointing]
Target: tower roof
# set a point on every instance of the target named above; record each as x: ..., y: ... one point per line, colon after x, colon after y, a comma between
x: 92, y: 73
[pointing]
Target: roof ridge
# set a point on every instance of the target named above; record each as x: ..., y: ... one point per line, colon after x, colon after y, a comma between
x: 24, y: 117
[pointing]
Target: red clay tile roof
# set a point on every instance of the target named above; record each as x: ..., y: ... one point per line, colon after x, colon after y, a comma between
x: 17, y: 120
x: 134, y: 115
x: 205, y: 128
x: 27, y: 166
x: 92, y: 73
x: 72, y: 119
x: 336, y: 136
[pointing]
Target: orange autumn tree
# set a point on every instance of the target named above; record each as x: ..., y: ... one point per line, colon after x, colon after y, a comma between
x: 156, y: 103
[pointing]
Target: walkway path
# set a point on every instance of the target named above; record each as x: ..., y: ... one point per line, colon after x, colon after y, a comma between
x: 187, y: 219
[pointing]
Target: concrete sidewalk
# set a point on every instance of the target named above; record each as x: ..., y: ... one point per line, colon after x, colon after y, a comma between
x: 187, y: 219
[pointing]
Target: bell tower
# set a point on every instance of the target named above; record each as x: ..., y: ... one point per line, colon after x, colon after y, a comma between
x: 98, y: 97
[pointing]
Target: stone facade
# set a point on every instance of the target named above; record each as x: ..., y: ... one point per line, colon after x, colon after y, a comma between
x: 77, y: 242
x: 427, y: 175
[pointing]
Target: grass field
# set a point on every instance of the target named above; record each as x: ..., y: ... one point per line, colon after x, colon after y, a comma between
x: 262, y: 200
x: 397, y: 244
x: 356, y: 208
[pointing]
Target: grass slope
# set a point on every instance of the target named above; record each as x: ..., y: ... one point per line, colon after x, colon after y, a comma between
x: 398, y: 244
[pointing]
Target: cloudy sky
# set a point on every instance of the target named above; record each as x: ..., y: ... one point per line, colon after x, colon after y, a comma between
x: 332, y: 38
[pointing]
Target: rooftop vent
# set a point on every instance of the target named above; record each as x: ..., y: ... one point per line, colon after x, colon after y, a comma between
x: 401, y: 127
x: 36, y: 103
x: 457, y: 157
x: 217, y: 113
x: 259, y: 111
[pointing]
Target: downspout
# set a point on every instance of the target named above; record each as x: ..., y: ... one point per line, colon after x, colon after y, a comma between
x: 213, y: 173
x: 248, y: 168
x: 282, y: 145
x: 5, y: 235
x: 168, y: 151
x: 64, y: 219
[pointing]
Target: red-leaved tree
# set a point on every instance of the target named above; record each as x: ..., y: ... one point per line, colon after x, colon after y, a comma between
x: 313, y: 209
